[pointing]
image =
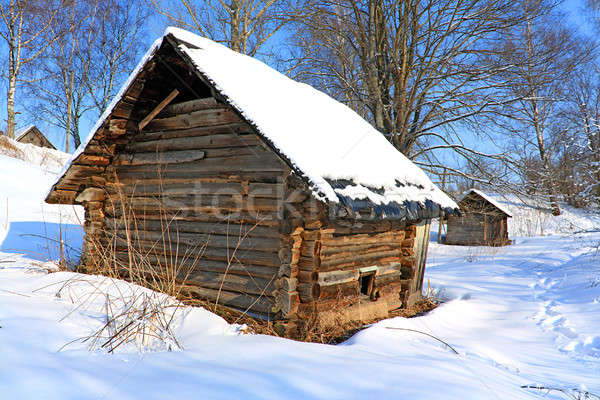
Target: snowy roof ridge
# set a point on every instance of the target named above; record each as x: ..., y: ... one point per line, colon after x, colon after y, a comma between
x: 489, y: 199
x: 21, y: 132
x: 323, y: 139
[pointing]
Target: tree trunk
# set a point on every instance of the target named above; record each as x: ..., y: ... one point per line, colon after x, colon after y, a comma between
x: 236, y: 40
x: 69, y: 111
x: 10, y: 95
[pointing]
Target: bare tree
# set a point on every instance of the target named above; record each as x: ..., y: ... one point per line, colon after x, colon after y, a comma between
x: 419, y: 70
x: 114, y: 48
x: 78, y: 74
x: 23, y: 24
x: 542, y: 54
x: 242, y: 25
x: 582, y: 142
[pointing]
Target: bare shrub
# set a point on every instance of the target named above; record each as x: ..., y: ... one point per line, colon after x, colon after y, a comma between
x: 9, y: 149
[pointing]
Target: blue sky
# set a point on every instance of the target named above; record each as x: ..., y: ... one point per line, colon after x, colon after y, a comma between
x: 572, y: 8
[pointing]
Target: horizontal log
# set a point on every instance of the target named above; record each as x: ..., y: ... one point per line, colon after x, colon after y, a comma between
x: 128, y: 175
x: 388, y: 237
x: 337, y: 277
x: 193, y: 119
x: 242, y: 301
x: 199, y: 239
x: 191, y: 214
x: 328, y: 252
x: 58, y: 196
x: 231, y: 282
x: 244, y: 256
x: 169, y: 157
x: 92, y: 159
x: 347, y: 289
x: 230, y: 229
x: 191, y: 262
x: 197, y: 186
x: 222, y: 203
x: 193, y: 143
x: 233, y: 128
x: 362, y: 259
x: 186, y: 107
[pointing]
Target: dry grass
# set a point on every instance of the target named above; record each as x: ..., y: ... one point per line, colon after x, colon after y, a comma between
x: 9, y: 149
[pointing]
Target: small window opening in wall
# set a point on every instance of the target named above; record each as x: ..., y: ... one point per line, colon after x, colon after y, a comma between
x: 366, y: 282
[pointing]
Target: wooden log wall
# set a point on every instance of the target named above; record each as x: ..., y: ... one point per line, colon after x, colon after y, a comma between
x: 327, y: 258
x: 197, y: 176
x: 473, y: 229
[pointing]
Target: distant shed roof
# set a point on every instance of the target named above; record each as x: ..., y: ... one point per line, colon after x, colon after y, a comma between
x: 489, y: 199
x: 340, y: 155
x: 23, y: 131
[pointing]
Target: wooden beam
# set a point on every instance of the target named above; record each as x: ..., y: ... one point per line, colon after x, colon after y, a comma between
x: 158, y: 109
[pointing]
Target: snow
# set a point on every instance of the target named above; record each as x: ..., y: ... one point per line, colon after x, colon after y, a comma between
x: 525, y: 314
x: 49, y: 159
x: 490, y: 199
x: 27, y: 224
x: 533, y: 216
x: 321, y: 137
x: 22, y: 131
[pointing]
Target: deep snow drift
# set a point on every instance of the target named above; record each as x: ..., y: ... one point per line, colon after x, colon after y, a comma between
x: 526, y: 314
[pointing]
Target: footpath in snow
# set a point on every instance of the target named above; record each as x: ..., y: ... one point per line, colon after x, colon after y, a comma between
x: 526, y: 314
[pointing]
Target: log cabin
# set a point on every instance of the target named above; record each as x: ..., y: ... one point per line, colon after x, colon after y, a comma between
x: 482, y: 222
x: 298, y: 206
x: 33, y: 135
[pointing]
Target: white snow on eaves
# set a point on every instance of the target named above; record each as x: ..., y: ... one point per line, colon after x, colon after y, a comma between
x: 20, y: 132
x: 489, y: 199
x: 320, y: 136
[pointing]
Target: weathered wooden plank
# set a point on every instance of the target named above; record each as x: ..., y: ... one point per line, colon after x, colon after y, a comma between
x: 195, y: 262
x: 193, y: 143
x: 232, y: 128
x: 194, y: 119
x: 159, y: 107
x: 222, y: 228
x: 91, y: 194
x: 258, y: 304
x: 244, y: 256
x: 173, y: 239
x: 337, y: 277
x: 158, y: 158
x: 187, y: 107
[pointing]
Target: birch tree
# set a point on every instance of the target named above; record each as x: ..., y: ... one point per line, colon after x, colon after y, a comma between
x: 79, y: 74
x: 23, y: 28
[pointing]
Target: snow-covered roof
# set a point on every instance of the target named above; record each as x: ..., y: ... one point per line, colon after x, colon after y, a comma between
x: 489, y: 199
x: 23, y: 131
x: 341, y: 156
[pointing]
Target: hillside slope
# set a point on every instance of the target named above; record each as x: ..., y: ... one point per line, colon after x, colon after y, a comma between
x: 521, y: 315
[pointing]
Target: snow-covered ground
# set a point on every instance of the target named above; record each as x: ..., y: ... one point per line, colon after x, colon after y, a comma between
x: 526, y: 314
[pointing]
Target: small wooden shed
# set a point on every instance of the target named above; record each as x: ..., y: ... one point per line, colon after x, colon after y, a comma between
x: 296, y: 204
x: 32, y: 134
x: 483, y: 221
